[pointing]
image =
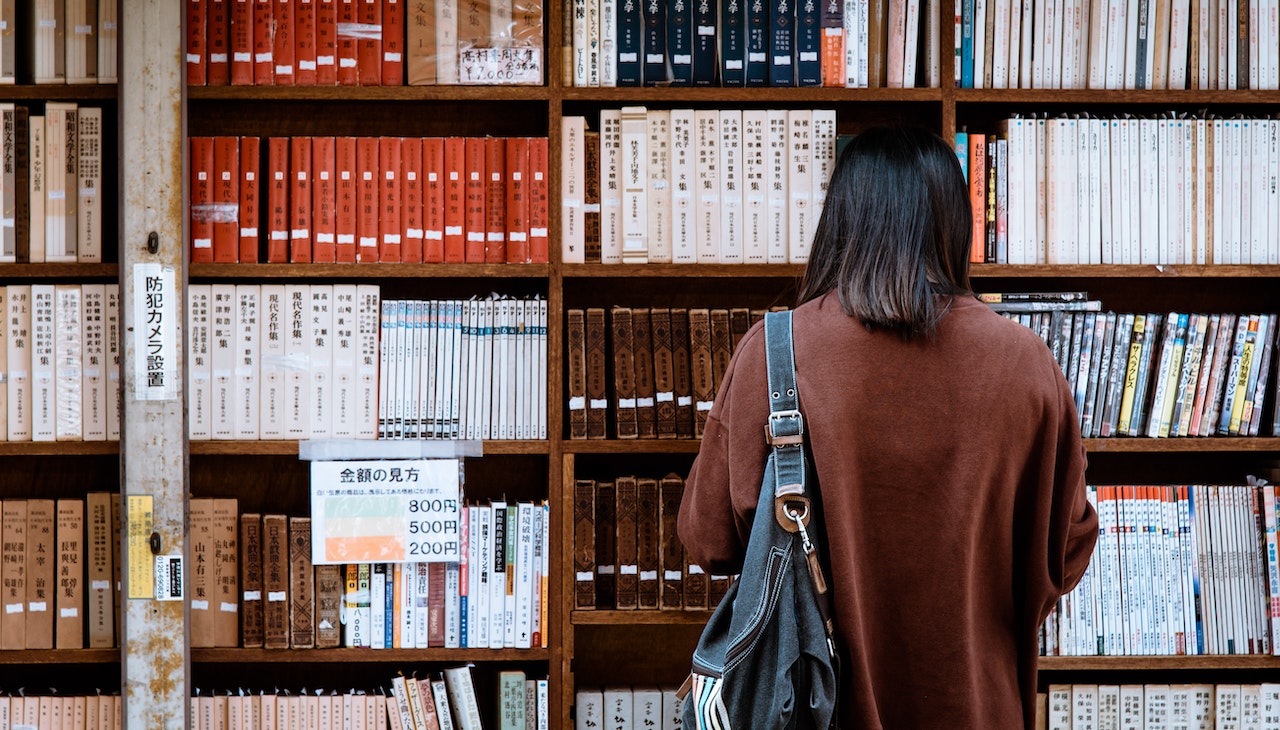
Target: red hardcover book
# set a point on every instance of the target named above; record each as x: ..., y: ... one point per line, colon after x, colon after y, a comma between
x: 344, y: 162
x: 300, y: 200
x: 433, y: 199
x: 197, y: 43
x: 539, y: 202
x: 264, y: 28
x: 495, y: 200
x: 304, y: 42
x: 219, y: 41
x: 517, y: 202
x: 250, y: 197
x: 367, y: 207
x: 393, y: 39
x: 283, y: 49
x: 411, y: 200
x: 347, y: 72
x: 241, y: 43
x: 369, y: 46
x: 473, y: 200
x: 326, y: 42
x: 226, y: 198
x: 277, y: 200
x: 202, y: 173
x: 323, y: 200
x: 455, y: 151
x: 389, y: 202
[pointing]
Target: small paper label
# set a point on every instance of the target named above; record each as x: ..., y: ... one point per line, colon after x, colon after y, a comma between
x: 598, y: 403
x: 577, y: 403
x: 253, y: 595
x: 666, y: 397
x: 69, y: 612
x: 626, y: 402
x: 627, y: 569
x: 704, y: 405
x: 199, y: 605
x: 13, y: 608
x: 584, y: 575
x: 648, y: 575
x: 277, y: 596
x: 604, y: 570
x: 695, y: 570
x: 228, y: 607
x: 672, y: 575
x: 37, y: 607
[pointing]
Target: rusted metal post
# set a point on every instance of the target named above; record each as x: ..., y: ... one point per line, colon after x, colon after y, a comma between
x: 153, y: 452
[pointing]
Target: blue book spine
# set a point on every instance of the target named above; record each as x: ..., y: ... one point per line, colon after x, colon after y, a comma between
x: 463, y: 640
x: 808, y: 43
x: 655, y: 42
x: 966, y: 44
x: 680, y: 42
x: 389, y: 603
x: 782, y: 18
x: 962, y: 153
x: 733, y: 54
x: 757, y: 42
x: 704, y: 42
x: 630, y: 42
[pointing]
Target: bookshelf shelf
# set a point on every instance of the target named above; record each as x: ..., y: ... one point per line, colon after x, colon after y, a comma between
x: 379, y: 656
x: 351, y: 94
x: 290, y: 448
x: 1075, y: 97
x: 57, y: 92
x: 678, y: 271
x: 754, y: 95
x: 366, y: 272
x: 59, y: 656
x: 58, y: 448
x: 1131, y: 663
x: 1125, y: 271
x: 639, y: 618
x: 1211, y: 444
x: 60, y: 271
x: 646, y: 446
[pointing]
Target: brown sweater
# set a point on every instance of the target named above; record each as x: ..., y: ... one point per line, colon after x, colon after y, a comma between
x: 952, y: 475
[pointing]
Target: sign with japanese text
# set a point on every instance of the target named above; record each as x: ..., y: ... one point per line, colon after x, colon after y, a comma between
x: 385, y: 511
x: 155, y: 313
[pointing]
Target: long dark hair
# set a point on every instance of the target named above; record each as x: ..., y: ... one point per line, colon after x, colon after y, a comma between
x: 894, y: 233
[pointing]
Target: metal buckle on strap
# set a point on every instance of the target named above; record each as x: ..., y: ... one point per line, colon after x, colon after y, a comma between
x: 776, y: 433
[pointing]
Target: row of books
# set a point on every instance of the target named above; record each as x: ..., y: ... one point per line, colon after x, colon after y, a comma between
x: 700, y: 186
x: 59, y: 574
x: 1178, y: 570
x: 283, y: 361
x: 253, y: 584
x: 51, y: 172
x: 91, y: 712
x: 60, y: 362
x: 474, y: 369
x: 1085, y: 190
x: 853, y: 43
x: 66, y: 41
x: 623, y: 708
x: 448, y: 700
x: 1159, y: 375
x: 363, y: 42
x: 1157, y: 706
x: 665, y: 363
x: 626, y: 552
x: 1114, y: 44
x: 369, y: 199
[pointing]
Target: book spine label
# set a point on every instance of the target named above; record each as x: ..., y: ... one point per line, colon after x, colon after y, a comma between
x: 782, y: 21
x: 704, y: 42
x: 808, y: 43
x: 680, y: 30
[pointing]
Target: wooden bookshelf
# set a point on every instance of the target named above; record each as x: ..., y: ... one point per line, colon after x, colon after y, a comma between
x: 59, y: 271
x: 639, y: 618
x: 389, y: 657
x: 20, y: 657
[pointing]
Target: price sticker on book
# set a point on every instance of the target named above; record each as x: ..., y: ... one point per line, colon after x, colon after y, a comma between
x: 500, y: 66
x: 385, y: 511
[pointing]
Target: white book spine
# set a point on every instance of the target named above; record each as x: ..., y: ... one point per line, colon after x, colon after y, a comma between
x: 589, y: 709
x: 777, y: 179
x: 68, y: 362
x: 481, y: 590
x: 8, y: 180
x: 1106, y: 192
x: 800, y: 184
x: 108, y: 32
x: 618, y: 708
x: 1149, y: 142
x: 1000, y: 63
x: 683, y: 184
x: 707, y: 188
x: 4, y: 364
x: 611, y: 186
x: 608, y: 55
x: 1026, y: 66
x: 377, y: 606
x: 634, y: 179
x: 824, y: 158
x: 526, y: 536
x: 113, y: 335
x: 37, y: 169
x: 462, y: 695
x: 297, y: 361
x: 911, y: 31
x: 731, y: 181
x: 406, y: 577
x: 452, y: 607
x: 1259, y: 181
x: 320, y: 389
x: 222, y: 360
x: 421, y: 604
x: 572, y: 189
x: 658, y: 234
x: 755, y: 183
x: 849, y: 20
x: 246, y: 385
x: 580, y: 43
x: 271, y: 360
x: 55, y: 183
x: 980, y: 59
x: 199, y: 365
x: 447, y: 45
x: 368, y: 305
x: 89, y: 177
x: 345, y: 353
x: 498, y: 579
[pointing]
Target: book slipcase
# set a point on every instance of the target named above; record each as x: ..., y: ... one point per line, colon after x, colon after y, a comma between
x: 607, y: 647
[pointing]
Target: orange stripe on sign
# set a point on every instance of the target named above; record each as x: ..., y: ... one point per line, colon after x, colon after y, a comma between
x: 370, y: 549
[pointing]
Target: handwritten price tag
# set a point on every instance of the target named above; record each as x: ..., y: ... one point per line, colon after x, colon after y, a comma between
x: 500, y: 66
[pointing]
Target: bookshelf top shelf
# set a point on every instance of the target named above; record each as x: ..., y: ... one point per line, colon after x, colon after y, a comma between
x: 379, y: 656
x: 639, y: 618
x: 9, y: 272
x: 1213, y: 444
x: 59, y: 656
x: 366, y: 272
x: 1126, y: 271
x: 290, y: 448
x: 680, y: 271
x: 368, y: 93
x: 1161, y: 97
x: 1095, y: 663
x: 752, y: 95
x: 57, y: 92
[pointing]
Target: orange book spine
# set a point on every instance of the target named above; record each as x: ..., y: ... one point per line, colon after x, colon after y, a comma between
x: 433, y: 199
x: 347, y: 72
x: 495, y: 200
x: 454, y: 200
x: 978, y: 195
x: 474, y: 199
x: 323, y: 201
x: 241, y: 42
x: 326, y: 42
x: 393, y: 39
x: 277, y: 200
x: 833, y: 53
x: 539, y: 201
x: 250, y: 195
x: 344, y: 157
x: 219, y: 42
x: 411, y: 199
x: 304, y: 43
x: 264, y: 24
x: 367, y: 229
x: 389, y: 202
x: 517, y: 200
x: 300, y: 200
x: 283, y: 50
x: 369, y: 46
x: 202, y: 173
x: 226, y: 197
x: 197, y: 43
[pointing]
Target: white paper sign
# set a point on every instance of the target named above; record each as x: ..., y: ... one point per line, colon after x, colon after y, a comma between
x: 169, y: 577
x: 155, y: 314
x: 500, y: 66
